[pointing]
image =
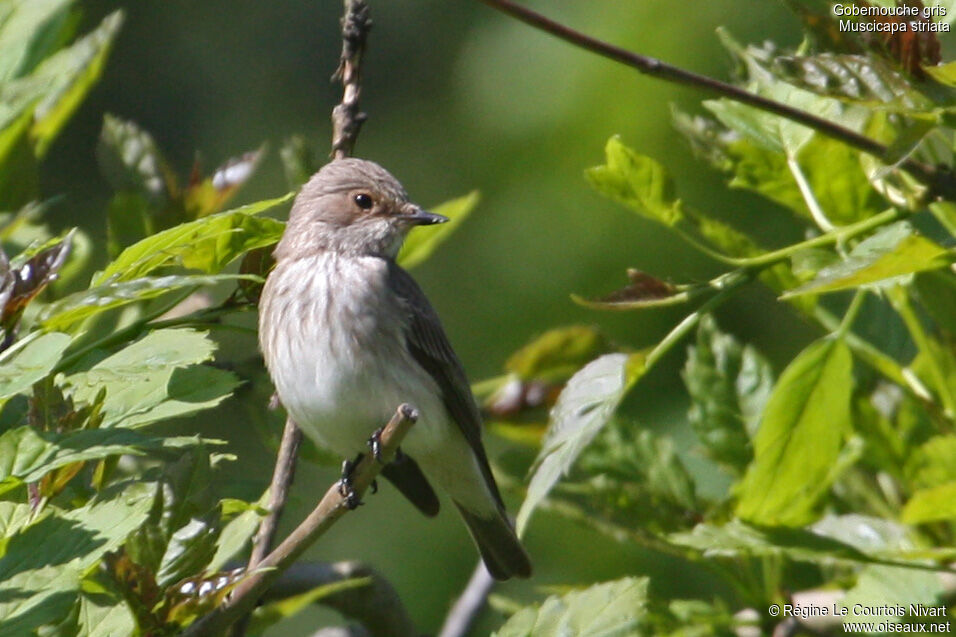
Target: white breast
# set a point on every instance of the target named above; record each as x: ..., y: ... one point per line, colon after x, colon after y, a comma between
x: 333, y: 340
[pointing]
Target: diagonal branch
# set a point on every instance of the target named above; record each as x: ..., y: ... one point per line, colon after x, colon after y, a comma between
x: 332, y: 507
x: 941, y: 182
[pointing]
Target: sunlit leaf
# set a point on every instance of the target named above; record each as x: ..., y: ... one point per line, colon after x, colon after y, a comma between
x: 25, y: 366
x: 583, y: 408
x: 800, y: 436
x: 611, y: 608
x: 25, y: 34
x: 65, y: 313
x: 422, y: 242
x: 892, y: 252
x: 146, y: 381
x: 72, y: 72
x: 207, y: 244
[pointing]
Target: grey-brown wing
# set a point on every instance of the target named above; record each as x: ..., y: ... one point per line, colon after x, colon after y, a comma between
x: 429, y: 346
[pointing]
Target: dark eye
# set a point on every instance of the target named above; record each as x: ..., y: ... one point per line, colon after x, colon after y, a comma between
x: 363, y: 201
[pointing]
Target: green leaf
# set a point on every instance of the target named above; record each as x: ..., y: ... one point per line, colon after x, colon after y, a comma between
x: 145, y: 382
x: 800, y: 436
x: 65, y: 313
x: 642, y: 184
x: 39, y: 587
x: 207, y: 244
x: 611, y: 609
x: 729, y: 386
x: 894, y: 251
x: 937, y: 293
x: 25, y: 33
x: 933, y: 463
x: 236, y: 534
x: 26, y: 455
x: 272, y: 613
x: 587, y: 403
x: 931, y: 505
x: 21, y: 367
x: 422, y: 242
x: 739, y: 539
x: 189, y: 550
x: 71, y: 73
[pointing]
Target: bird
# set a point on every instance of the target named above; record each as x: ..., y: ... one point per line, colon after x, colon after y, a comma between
x: 347, y: 336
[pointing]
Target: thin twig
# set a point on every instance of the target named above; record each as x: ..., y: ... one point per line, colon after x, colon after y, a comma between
x: 941, y: 182
x: 332, y: 507
x: 347, y: 118
x: 282, y: 479
x: 469, y: 605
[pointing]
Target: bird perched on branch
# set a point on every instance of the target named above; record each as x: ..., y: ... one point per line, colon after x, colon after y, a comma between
x: 348, y: 336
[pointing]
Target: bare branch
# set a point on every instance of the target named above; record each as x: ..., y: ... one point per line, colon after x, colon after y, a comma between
x: 332, y: 507
x: 942, y: 182
x: 464, y: 613
x: 282, y: 478
x: 347, y: 118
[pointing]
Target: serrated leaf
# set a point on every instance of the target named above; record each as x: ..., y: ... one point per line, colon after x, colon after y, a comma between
x: 893, y: 252
x: 611, y: 609
x: 39, y: 587
x: 26, y: 455
x: 207, y: 244
x: 71, y: 72
x: 800, y: 437
x: 65, y: 313
x: 422, y: 242
x: 729, y: 386
x: 145, y: 382
x: 21, y: 368
x: 586, y: 404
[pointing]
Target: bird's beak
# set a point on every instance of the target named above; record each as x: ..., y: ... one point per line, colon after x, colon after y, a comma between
x: 418, y: 217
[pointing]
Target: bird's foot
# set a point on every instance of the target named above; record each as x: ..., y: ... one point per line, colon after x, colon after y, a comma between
x: 375, y: 444
x: 346, y: 490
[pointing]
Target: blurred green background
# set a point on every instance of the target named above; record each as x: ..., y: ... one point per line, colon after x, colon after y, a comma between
x: 459, y: 97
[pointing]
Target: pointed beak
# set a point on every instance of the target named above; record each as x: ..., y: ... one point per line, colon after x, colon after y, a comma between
x: 415, y: 216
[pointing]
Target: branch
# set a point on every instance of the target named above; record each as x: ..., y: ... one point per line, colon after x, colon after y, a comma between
x: 282, y: 478
x: 347, y: 119
x: 332, y: 507
x: 940, y: 182
x: 464, y: 613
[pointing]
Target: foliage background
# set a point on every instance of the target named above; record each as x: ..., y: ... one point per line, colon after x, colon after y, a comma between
x: 459, y: 98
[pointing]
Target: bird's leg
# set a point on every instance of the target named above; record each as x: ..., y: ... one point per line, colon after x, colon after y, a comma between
x: 345, y: 483
x: 375, y: 444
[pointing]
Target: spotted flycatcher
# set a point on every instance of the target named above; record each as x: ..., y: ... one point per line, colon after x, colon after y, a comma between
x: 348, y: 336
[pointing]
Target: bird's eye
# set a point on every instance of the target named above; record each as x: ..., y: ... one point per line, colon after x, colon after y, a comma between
x: 363, y: 201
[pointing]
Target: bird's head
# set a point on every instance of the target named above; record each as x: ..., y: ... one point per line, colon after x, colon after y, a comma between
x: 351, y: 206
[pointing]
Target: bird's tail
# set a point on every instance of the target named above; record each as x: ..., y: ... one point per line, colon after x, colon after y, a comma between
x: 500, y: 548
